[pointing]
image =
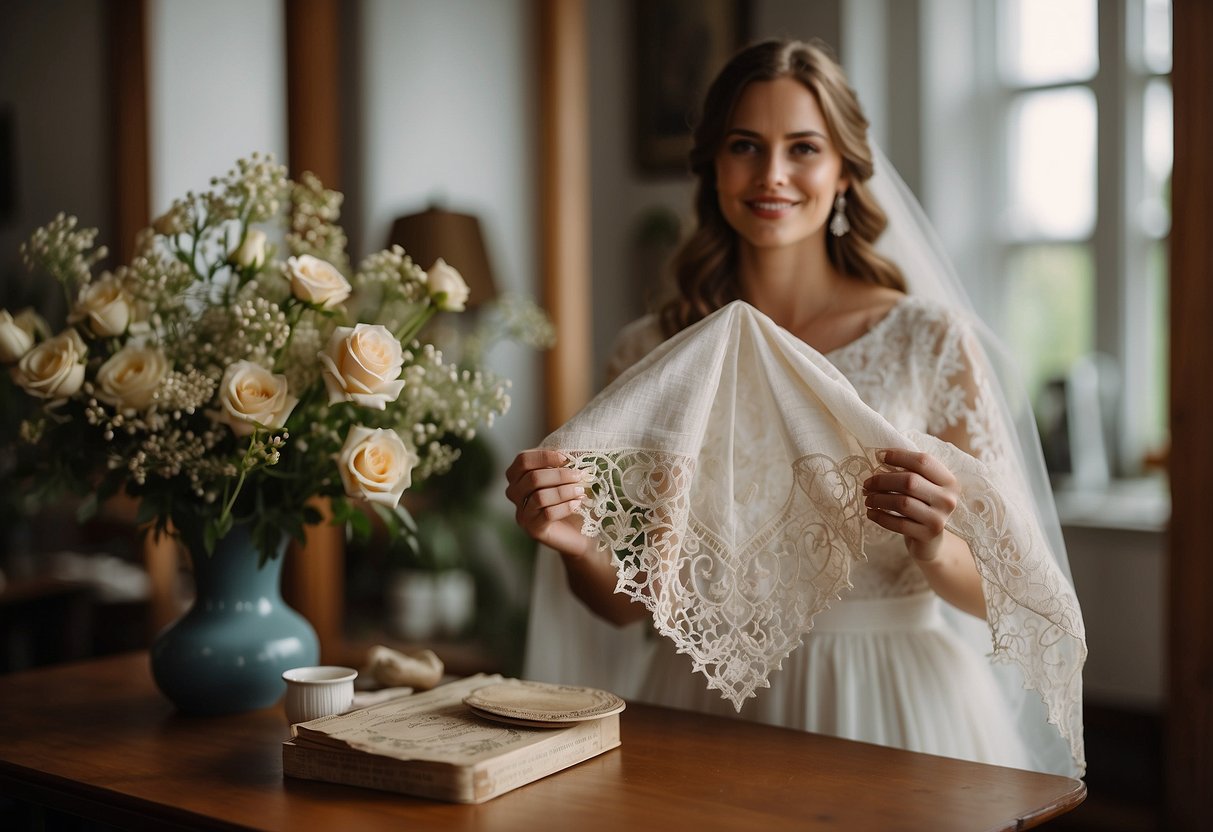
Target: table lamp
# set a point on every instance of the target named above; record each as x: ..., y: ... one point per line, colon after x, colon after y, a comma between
x: 456, y: 238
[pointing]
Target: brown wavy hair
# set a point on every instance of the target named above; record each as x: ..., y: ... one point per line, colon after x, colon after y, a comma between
x: 705, y: 267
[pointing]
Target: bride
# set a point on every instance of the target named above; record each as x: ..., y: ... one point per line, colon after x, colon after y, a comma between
x: 949, y: 609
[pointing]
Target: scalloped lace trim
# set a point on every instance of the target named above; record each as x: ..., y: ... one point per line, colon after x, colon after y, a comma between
x: 738, y: 607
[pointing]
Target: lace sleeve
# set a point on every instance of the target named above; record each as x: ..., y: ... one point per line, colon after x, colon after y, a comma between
x: 1032, y: 610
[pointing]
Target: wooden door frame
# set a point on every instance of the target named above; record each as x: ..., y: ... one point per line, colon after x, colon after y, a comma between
x: 564, y: 204
x: 1189, y: 717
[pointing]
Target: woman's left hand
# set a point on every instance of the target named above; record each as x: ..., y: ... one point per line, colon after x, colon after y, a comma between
x: 915, y: 499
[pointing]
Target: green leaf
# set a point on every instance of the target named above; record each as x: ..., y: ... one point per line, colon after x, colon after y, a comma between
x: 87, y: 510
x: 388, y: 517
x: 406, y: 518
x: 359, y: 527
x: 341, y: 511
x: 110, y: 486
x: 266, y: 536
x: 149, y: 508
x: 293, y: 525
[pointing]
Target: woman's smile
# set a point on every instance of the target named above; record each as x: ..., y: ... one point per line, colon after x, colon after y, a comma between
x: 769, y: 208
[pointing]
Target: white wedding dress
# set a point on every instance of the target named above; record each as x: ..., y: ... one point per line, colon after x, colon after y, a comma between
x: 888, y: 662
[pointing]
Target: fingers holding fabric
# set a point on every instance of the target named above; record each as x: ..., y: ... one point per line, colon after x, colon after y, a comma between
x: 532, y: 460
x: 914, y: 486
x: 535, y: 470
x: 546, y: 495
x: 913, y: 495
x: 905, y: 515
x: 920, y: 463
x: 543, y: 501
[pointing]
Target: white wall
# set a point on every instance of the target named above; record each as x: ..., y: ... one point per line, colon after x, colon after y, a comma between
x: 449, y: 115
x: 1120, y: 578
x: 619, y: 195
x: 216, y: 90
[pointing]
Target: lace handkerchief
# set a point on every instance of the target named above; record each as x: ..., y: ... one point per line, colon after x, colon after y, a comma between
x: 727, y: 479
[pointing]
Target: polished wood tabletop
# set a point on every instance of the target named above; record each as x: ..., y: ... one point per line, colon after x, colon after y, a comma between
x: 96, y: 739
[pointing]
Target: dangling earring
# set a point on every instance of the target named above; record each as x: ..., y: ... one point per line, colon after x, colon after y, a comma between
x: 839, y: 225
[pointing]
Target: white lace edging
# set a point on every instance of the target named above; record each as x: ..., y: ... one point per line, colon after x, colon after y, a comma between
x: 737, y: 608
x: 1033, y: 614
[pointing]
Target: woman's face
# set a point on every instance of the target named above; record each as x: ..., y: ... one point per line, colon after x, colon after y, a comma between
x: 777, y: 172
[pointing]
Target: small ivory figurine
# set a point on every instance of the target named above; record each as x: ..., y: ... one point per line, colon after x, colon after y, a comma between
x: 419, y: 669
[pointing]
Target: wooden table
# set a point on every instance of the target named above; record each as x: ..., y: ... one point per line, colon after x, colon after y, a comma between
x: 96, y: 739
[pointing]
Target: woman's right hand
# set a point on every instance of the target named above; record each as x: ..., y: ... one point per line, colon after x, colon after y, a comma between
x: 546, y: 494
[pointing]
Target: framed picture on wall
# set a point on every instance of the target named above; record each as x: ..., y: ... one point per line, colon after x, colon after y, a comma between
x: 680, y: 45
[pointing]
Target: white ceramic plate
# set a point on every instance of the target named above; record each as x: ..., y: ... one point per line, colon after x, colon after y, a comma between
x: 542, y: 703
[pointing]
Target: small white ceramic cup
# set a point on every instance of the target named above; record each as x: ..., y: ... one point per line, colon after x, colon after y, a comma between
x: 313, y: 692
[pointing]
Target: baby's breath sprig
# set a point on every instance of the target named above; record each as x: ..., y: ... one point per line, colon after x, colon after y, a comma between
x: 219, y: 382
x: 313, y: 223
x: 65, y: 252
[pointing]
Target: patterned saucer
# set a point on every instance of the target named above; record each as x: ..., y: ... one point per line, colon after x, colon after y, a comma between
x: 542, y: 704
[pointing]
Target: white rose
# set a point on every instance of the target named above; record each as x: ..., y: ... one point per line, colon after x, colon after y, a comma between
x: 170, y: 223
x: 104, y: 305
x: 250, y: 253
x: 447, y: 287
x: 252, y: 397
x: 376, y: 465
x: 15, y: 340
x: 33, y: 323
x: 362, y: 365
x: 54, y: 369
x: 130, y: 378
x: 315, y: 281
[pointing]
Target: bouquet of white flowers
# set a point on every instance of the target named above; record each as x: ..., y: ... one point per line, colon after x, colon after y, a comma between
x: 219, y: 382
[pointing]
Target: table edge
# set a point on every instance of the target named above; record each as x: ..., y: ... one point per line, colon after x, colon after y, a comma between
x: 52, y: 791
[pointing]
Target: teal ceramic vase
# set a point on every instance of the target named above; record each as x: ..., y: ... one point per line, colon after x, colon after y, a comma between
x: 228, y: 652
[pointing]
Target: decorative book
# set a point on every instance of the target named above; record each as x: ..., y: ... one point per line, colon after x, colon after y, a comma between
x: 434, y: 745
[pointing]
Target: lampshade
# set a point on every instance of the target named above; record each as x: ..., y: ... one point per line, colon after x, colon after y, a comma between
x: 456, y: 238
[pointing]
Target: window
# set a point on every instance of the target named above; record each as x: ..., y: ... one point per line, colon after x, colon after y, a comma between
x: 1084, y: 119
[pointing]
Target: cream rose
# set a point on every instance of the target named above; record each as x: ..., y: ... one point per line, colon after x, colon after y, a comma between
x: 252, y: 397
x: 15, y: 340
x: 315, y: 281
x: 130, y: 378
x: 104, y: 305
x: 362, y: 365
x: 54, y: 369
x: 170, y: 222
x: 33, y: 323
x: 251, y: 252
x: 447, y: 286
x: 376, y: 465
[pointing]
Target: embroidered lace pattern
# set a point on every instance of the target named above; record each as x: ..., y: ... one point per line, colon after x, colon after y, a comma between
x: 735, y: 586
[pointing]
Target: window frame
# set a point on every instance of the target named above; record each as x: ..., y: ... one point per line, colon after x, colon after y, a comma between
x: 1119, y: 243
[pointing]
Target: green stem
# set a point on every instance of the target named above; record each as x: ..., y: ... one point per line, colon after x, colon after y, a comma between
x: 294, y: 316
x: 410, y: 330
x: 244, y: 226
x: 230, y: 502
x: 198, y: 229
